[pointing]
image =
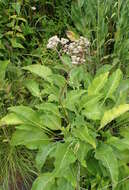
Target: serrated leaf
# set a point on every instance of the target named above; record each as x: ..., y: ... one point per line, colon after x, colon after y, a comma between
x: 33, y: 87
x: 105, y: 154
x: 113, y: 114
x: 10, y: 119
x: 40, y: 70
x: 98, y: 83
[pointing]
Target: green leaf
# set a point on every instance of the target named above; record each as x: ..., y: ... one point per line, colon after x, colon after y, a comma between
x: 84, y: 134
x: 105, y: 154
x: 49, y: 107
x: 33, y: 138
x: 64, y: 156
x: 3, y: 67
x: 17, y: 7
x: 44, y: 182
x: 93, y: 112
x: 103, y: 69
x: 15, y: 44
x: 72, y: 99
x: 51, y: 121
x: 81, y: 150
x: 10, y: 119
x: 57, y: 80
x: 113, y: 114
x: 43, y: 153
x: 64, y: 185
x: 66, y: 60
x: 26, y: 115
x: 90, y: 101
x: 40, y: 70
x: 98, y: 83
x: 33, y: 87
x: 113, y: 83
x: 80, y: 3
x: 120, y: 144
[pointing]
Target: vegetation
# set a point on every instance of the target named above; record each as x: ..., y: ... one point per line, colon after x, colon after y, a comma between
x: 64, y: 95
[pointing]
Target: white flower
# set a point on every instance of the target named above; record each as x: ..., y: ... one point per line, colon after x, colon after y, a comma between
x: 53, y: 42
x: 64, y: 41
x: 33, y: 8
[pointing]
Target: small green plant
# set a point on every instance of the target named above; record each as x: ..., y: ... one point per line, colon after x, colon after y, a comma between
x: 76, y: 127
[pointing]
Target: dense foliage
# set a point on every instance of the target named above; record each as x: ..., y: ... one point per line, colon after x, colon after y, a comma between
x: 64, y: 124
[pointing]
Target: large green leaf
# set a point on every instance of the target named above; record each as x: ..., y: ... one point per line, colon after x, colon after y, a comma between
x: 113, y: 83
x: 26, y: 115
x: 64, y: 156
x: 105, y: 154
x: 84, y: 135
x: 32, y: 138
x: 44, y: 182
x: 113, y: 114
x: 33, y: 87
x: 98, y: 83
x: 40, y: 70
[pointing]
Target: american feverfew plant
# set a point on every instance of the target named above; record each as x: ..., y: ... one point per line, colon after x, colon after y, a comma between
x: 77, y: 125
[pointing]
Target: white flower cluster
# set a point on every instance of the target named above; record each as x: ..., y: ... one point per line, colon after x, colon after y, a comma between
x: 53, y: 42
x: 77, y: 50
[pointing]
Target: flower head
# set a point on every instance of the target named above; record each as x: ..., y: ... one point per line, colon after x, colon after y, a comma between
x: 53, y: 42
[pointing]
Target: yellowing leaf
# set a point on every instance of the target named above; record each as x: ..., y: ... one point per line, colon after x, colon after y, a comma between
x: 113, y: 114
x: 71, y: 35
x: 10, y: 119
